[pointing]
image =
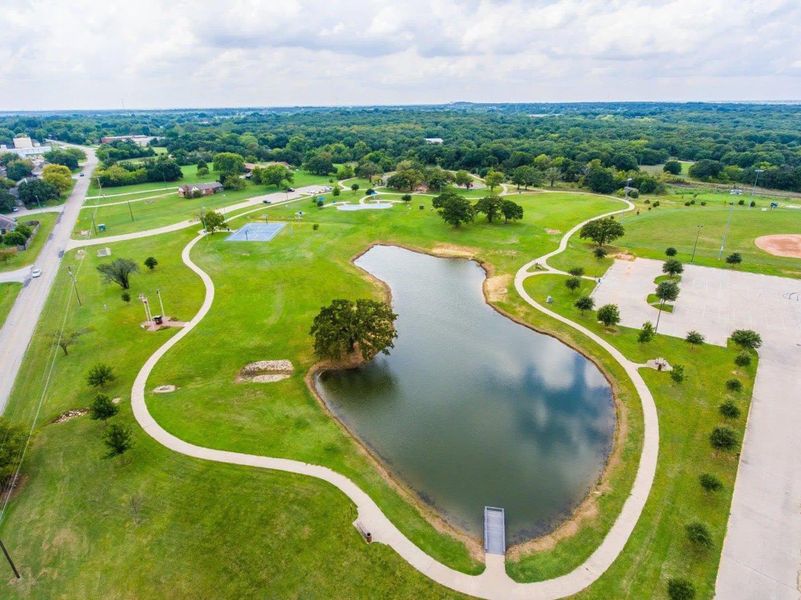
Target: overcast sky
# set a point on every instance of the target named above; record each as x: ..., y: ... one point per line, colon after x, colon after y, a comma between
x: 157, y: 53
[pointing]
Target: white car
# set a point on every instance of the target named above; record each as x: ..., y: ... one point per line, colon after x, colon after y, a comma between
x: 36, y: 272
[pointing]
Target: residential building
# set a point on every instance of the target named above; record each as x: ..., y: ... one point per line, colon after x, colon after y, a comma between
x: 192, y: 190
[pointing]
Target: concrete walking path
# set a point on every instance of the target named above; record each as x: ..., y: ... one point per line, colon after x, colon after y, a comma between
x: 493, y: 582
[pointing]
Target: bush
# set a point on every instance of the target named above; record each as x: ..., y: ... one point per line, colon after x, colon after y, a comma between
x: 655, y: 204
x: 118, y: 439
x: 671, y: 251
x: 354, y: 186
x: 698, y: 534
x: 743, y: 359
x: 15, y: 238
x: 695, y: 338
x: 572, y: 283
x: 584, y: 303
x: 734, y: 258
x: 406, y: 197
x: 100, y: 375
x: 151, y: 262
x: 646, y: 333
x: 729, y: 410
x: 316, y: 226
x: 609, y: 315
x: 723, y: 438
x: 734, y: 385
x: 710, y: 483
x: 102, y: 407
x: 753, y: 204
x: 680, y: 589
x: 576, y: 271
x: 336, y: 191
x: 746, y: 338
x: 126, y: 297
x: 677, y: 374
x: 703, y: 202
x: 599, y: 253
x: 741, y: 202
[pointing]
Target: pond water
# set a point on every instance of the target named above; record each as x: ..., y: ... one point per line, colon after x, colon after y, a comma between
x: 472, y: 409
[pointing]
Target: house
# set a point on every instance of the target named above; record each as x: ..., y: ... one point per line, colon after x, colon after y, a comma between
x: 142, y: 140
x: 199, y: 189
x: 434, y: 140
x: 7, y: 225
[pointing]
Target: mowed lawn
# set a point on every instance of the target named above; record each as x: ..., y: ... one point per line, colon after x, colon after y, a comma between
x: 651, y: 232
x: 28, y: 257
x: 154, y: 524
x: 156, y: 208
x: 688, y: 412
x: 8, y: 293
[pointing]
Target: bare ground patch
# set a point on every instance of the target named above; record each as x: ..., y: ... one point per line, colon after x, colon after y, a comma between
x: 787, y: 245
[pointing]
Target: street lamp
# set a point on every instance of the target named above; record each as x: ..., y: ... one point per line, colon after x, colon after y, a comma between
x: 697, y: 234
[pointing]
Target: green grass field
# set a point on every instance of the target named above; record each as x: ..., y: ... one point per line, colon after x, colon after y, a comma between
x: 687, y: 412
x: 154, y: 523
x: 8, y: 293
x: 29, y: 256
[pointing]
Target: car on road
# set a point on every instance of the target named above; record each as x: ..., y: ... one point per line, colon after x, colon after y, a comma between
x: 15, y: 209
x: 290, y: 189
x: 81, y: 174
x: 267, y: 201
x: 36, y: 272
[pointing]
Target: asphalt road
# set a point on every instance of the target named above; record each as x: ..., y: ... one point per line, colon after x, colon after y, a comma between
x: 20, y: 324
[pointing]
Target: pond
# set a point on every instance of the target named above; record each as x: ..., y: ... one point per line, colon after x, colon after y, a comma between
x: 471, y: 409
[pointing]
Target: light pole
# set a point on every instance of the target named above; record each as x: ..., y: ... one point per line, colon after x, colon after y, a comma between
x: 161, y: 302
x: 726, y: 231
x: 695, y: 245
x: 756, y: 176
x: 74, y: 286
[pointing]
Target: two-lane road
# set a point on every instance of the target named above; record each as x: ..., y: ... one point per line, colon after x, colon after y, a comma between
x: 20, y: 324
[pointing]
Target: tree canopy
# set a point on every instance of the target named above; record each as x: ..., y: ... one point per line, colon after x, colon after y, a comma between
x: 602, y: 231
x: 344, y: 328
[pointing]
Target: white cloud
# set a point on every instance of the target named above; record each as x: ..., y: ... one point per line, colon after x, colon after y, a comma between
x: 151, y: 53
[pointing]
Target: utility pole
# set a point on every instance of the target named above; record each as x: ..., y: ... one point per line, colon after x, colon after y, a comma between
x: 75, y: 286
x: 659, y: 315
x: 697, y: 235
x: 756, y: 176
x: 161, y: 303
x: 10, y: 562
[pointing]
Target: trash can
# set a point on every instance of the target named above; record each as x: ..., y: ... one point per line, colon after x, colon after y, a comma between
x: 101, y: 226
x: 158, y: 319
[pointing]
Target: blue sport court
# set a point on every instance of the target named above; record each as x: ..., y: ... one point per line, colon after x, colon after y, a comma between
x: 255, y: 232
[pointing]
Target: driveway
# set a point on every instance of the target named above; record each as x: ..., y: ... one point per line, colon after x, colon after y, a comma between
x: 762, y: 552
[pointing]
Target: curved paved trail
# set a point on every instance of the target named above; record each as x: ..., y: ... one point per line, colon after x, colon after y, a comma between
x: 493, y: 582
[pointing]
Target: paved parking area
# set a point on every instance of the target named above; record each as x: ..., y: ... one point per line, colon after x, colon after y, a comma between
x: 762, y: 551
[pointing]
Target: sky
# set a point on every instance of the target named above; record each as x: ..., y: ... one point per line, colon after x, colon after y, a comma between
x: 86, y: 54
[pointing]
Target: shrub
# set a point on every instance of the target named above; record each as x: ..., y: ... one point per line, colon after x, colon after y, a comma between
x: 734, y: 385
x: 753, y: 204
x: 406, y: 197
x: 320, y: 202
x: 572, y: 283
x: 695, y: 338
x: 102, y: 407
x: 609, y: 315
x: 746, y: 338
x: 576, y: 271
x: 646, y: 333
x: 703, y: 202
x: 655, y: 204
x: 729, y: 410
x: 100, y: 375
x: 316, y: 226
x: 710, y: 483
x: 677, y: 374
x: 680, y: 589
x: 584, y: 303
x: 118, y: 439
x: 354, y: 186
x: 151, y: 262
x: 741, y: 202
x: 734, y: 258
x: 743, y: 359
x: 671, y: 251
x: 698, y: 534
x: 723, y: 438
x: 126, y: 297
x: 336, y: 191
x: 599, y: 253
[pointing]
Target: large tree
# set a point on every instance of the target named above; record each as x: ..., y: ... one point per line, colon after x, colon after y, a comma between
x: 362, y: 328
x: 602, y: 231
x: 456, y: 211
x: 36, y: 192
x: 512, y: 211
x: 228, y: 163
x: 493, y: 179
x: 19, y: 169
x: 490, y: 206
x: 119, y: 271
x: 59, y: 176
x: 463, y: 179
x: 212, y: 221
x: 320, y: 164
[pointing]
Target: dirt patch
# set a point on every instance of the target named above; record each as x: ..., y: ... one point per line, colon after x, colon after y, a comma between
x: 166, y: 323
x: 552, y: 231
x: 70, y: 414
x: 496, y: 288
x: 265, y: 371
x: 453, y: 251
x: 164, y: 389
x: 788, y: 245
x: 624, y: 256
